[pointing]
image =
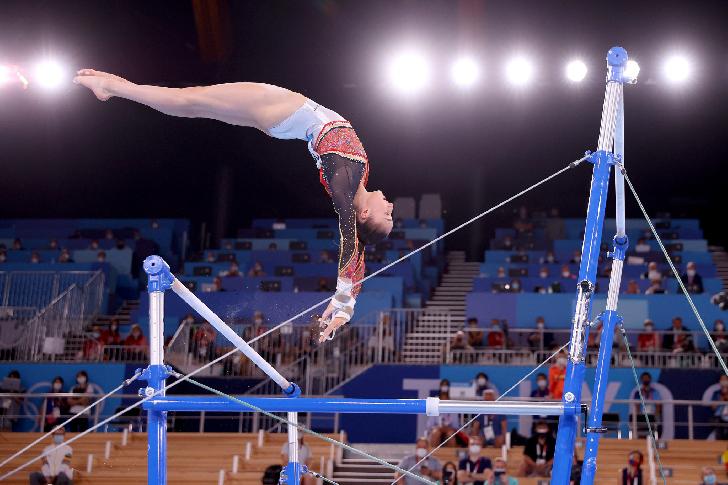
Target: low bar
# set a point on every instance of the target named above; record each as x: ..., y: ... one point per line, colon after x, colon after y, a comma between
x: 430, y: 406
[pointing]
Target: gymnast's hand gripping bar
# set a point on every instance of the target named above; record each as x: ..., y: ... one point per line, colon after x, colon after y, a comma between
x: 158, y: 269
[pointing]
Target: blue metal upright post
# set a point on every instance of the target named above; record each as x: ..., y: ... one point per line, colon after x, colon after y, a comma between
x: 160, y: 280
x: 602, y: 159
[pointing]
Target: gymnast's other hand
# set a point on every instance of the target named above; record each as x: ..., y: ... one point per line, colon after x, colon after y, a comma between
x: 99, y: 82
x: 329, y: 327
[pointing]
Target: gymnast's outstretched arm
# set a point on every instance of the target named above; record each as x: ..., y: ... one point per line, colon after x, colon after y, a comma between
x: 258, y: 105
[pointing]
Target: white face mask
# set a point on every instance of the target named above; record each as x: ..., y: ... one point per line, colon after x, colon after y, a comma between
x: 58, y: 439
x: 561, y: 361
x: 653, y: 274
x: 475, y: 449
x: 543, y: 275
x: 565, y: 274
x: 444, y: 388
x: 81, y: 380
x: 57, y: 387
x: 691, y: 273
x: 482, y: 381
x: 541, y: 384
x: 540, y: 325
x: 420, y: 452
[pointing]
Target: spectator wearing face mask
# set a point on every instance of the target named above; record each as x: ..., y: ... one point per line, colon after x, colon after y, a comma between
x: 56, y: 467
x: 450, y: 474
x: 632, y: 473
x: 575, y: 258
x: 256, y: 271
x: 429, y: 468
x: 442, y: 427
x: 566, y: 273
x: 633, y: 288
x: 542, y: 387
x: 500, y: 272
x: 543, y: 273
x: 652, y: 409
x: 540, y: 339
x: 647, y: 340
x: 137, y: 343
x: 678, y: 338
x: 101, y: 257
x: 538, y: 454
x: 655, y: 287
x: 111, y: 335
x: 653, y: 273
x: 475, y: 469
x: 78, y: 403
x: 34, y: 258
x: 708, y: 476
x: 500, y: 474
x: 557, y: 375
x: 55, y: 407
x: 494, y: 426
x: 496, y: 337
x: 3, y: 257
x: 691, y: 279
x: 549, y: 258
x: 9, y: 406
x: 232, y: 271
x: 482, y: 383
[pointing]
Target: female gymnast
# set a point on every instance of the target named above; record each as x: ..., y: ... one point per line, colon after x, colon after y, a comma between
x: 364, y: 217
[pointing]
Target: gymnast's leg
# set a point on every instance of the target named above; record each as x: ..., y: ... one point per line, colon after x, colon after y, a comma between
x: 257, y: 105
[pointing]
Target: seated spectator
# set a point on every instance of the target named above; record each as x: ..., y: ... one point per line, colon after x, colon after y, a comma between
x: 450, y: 474
x: 494, y: 426
x: 540, y: 339
x: 708, y: 476
x: 655, y: 288
x: 108, y: 234
x: 576, y: 257
x: 691, y: 279
x: 475, y: 333
x: 53, y: 244
x: 211, y: 257
x: 259, y: 327
x: 120, y: 244
x: 65, y: 256
x: 653, y: 273
x: 566, y: 273
x: 101, y: 257
x: 506, y: 244
x: 652, y: 409
x: 633, y: 288
x: 217, y: 285
x: 557, y: 375
x: 442, y: 427
x: 429, y: 468
x: 56, y: 467
x: 538, y: 454
x: 482, y: 383
x: 632, y: 473
x: 475, y: 469
x: 542, y: 387
x: 515, y: 286
x: 34, y: 257
x: 325, y: 257
x: 500, y: 272
x: 94, y: 244
x: 111, y: 335
x: 304, y: 458
x: 642, y: 246
x: 3, y: 257
x: 273, y: 247
x: 496, y: 337
x: 77, y: 404
x: 55, y: 407
x: 647, y: 340
x: 678, y: 338
x: 549, y: 258
x: 136, y: 340
x: 17, y: 245
x: 10, y: 407
x: 232, y: 271
x: 720, y: 337
x: 500, y: 473
x: 93, y: 347
x: 720, y: 409
x: 459, y: 342
x: 523, y: 223
x: 256, y: 271
x: 543, y: 273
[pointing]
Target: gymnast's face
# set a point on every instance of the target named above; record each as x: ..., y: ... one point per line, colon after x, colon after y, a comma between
x: 379, y: 212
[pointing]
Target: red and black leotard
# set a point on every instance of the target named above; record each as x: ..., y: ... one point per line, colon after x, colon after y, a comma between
x: 343, y: 165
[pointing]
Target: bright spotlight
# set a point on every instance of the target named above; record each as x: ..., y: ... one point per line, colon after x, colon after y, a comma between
x: 519, y: 71
x: 409, y: 72
x: 631, y: 71
x: 677, y: 69
x: 464, y: 72
x: 5, y: 74
x: 576, y: 71
x: 49, y: 74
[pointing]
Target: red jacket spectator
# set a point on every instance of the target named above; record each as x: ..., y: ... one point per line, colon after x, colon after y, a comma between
x: 135, y: 337
x: 111, y: 335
